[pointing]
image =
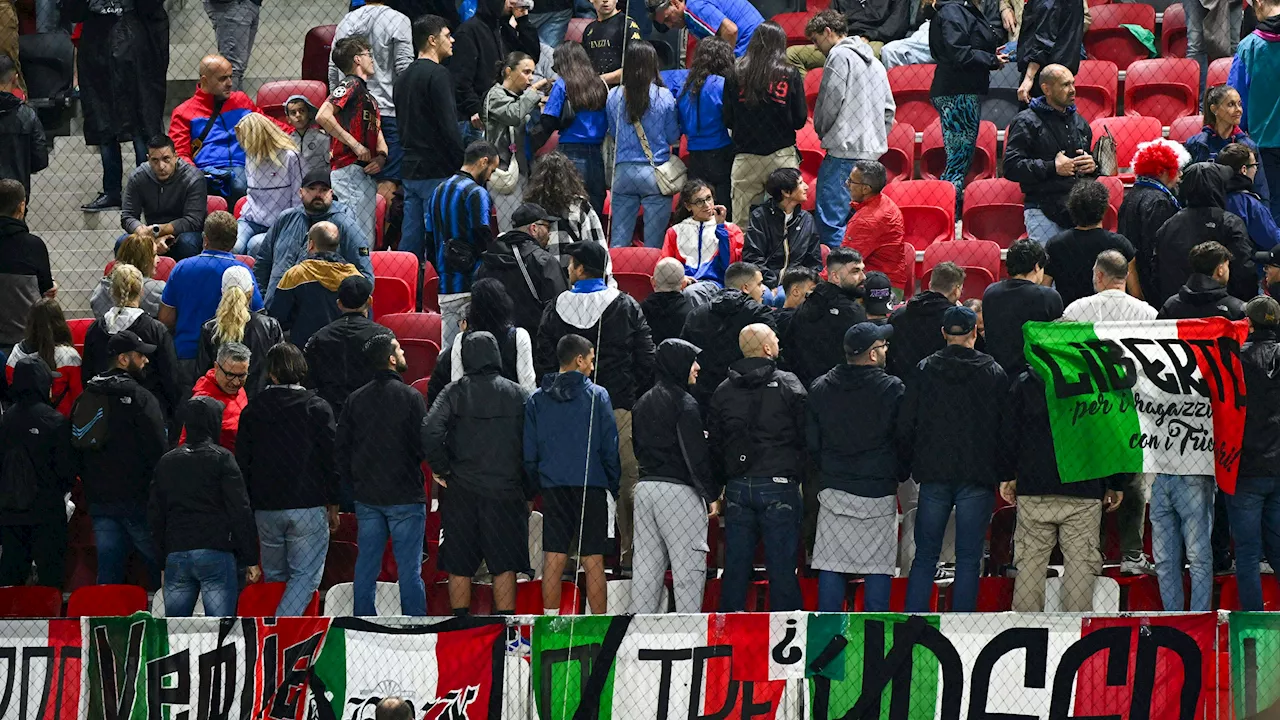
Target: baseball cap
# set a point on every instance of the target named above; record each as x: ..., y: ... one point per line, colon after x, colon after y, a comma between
x: 1263, y: 311
x: 530, y: 213
x: 354, y: 291
x: 1268, y: 257
x: 128, y: 341
x: 317, y: 176
x: 877, y: 293
x: 590, y: 255
x: 859, y: 338
x: 959, y: 320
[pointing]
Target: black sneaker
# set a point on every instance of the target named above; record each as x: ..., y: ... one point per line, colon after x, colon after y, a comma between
x: 103, y: 203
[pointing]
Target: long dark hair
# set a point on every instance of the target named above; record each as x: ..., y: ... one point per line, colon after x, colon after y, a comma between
x: 555, y: 184
x: 764, y: 62
x: 713, y: 57
x: 510, y: 62
x: 1214, y: 96
x: 691, y: 187
x: 582, y: 85
x: 490, y: 309
x: 639, y: 71
x: 46, y: 330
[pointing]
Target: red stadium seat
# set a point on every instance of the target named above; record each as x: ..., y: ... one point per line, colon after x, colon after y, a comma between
x: 81, y: 567
x: 348, y: 528
x: 1165, y: 88
x: 417, y: 326
x: 1115, y: 193
x: 993, y: 211
x: 421, y: 386
x: 933, y: 155
x: 812, y: 81
x: 928, y: 210
x: 315, y: 53
x: 391, y: 295
x: 214, y: 203
x: 529, y: 598
x: 1129, y: 131
x: 1107, y: 39
x: 164, y: 266
x: 900, y: 159
x: 909, y: 262
x: 576, y: 27
x: 1230, y: 598
x: 816, y: 6
x: 810, y: 147
x: 968, y: 254
x: 430, y: 287
x: 107, y: 601
x: 1184, y: 127
x: 379, y: 224
x: 1096, y: 85
x: 397, y: 264
x: 910, y: 85
x: 79, y: 329
x: 33, y: 601
x: 793, y: 25
x: 247, y: 260
x: 239, y: 207
x: 339, y: 564
x: 1219, y: 71
x: 272, y: 95
x: 1095, y: 3
x: 995, y: 594
x: 635, y: 259
x: 1173, y: 32
x: 262, y: 599
x: 1141, y: 594
x: 638, y: 285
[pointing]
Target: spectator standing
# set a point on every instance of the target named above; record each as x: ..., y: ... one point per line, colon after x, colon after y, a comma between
x: 1204, y: 219
x: 335, y: 359
x: 386, y: 475
x: 140, y: 252
x: 1254, y: 75
x: 640, y: 106
x: 575, y: 108
x: 677, y: 491
x: 1051, y: 32
x: 498, y: 27
x: 570, y: 421
x: 474, y: 440
x: 1009, y: 304
x: 853, y: 116
x: 714, y: 326
x: 1072, y: 253
x: 24, y: 265
x: 782, y: 233
x: 235, y: 28
x: 949, y: 432
x: 531, y: 276
x: 702, y: 241
x: 1111, y: 272
x: 556, y: 184
x: 756, y: 431
x: 853, y: 412
x: 666, y: 308
x: 225, y: 383
x: 457, y: 221
x: 1205, y: 293
x: 424, y: 100
x: 286, y: 243
x: 351, y: 117
x: 606, y: 37
x: 35, y: 450
x: 25, y: 152
x: 593, y: 309
x: 876, y: 230
x: 552, y: 21
x: 1243, y: 199
x: 700, y: 105
x: 116, y: 458
x: 734, y: 21
x: 490, y: 310
x: 48, y: 336
x: 306, y: 298
x: 1148, y: 204
x: 1213, y: 32
x: 916, y: 324
x: 507, y: 107
x: 164, y: 200
x: 312, y: 141
x: 1223, y: 112
x: 201, y: 520
x: 813, y: 342
x: 1047, y: 148
x: 160, y: 375
x: 877, y: 299
x: 285, y: 450
x: 233, y: 322
x: 1252, y: 507
x: 764, y: 106
x: 273, y: 173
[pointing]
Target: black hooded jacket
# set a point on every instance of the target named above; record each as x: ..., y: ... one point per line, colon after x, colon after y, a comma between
x: 852, y: 419
x: 1260, y: 451
x: 949, y: 427
x: 117, y: 476
x: 379, y: 445
x: 813, y: 342
x: 1204, y: 187
x: 1006, y: 307
x: 917, y: 332
x: 714, y: 327
x: 1202, y: 297
x: 1051, y: 33
x: 35, y: 450
x: 198, y: 500
x: 762, y: 408
x: 479, y: 45
x: 665, y: 312
x: 667, y: 426
x: 22, y: 144
x: 474, y: 434
x: 1146, y: 207
x: 544, y: 272
x: 773, y: 244
x: 285, y: 449
x: 1035, y: 138
x: 336, y: 366
x: 876, y: 20
x: 963, y: 43
x: 159, y: 377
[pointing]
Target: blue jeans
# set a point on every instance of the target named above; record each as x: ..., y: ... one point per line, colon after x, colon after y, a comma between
x: 1182, y: 516
x: 1195, y: 13
x: 249, y: 236
x: 759, y: 509
x: 185, y: 245
x: 1039, y: 227
x: 390, y: 171
x: 229, y: 182
x: 470, y: 133
x: 406, y: 525
x: 635, y: 185
x: 1255, y: 525
x: 114, y: 535
x: 293, y: 545
x: 191, y: 573
x: 551, y: 26
x: 973, y: 504
x: 833, y: 199
x: 413, y: 233
x: 590, y: 163
x: 875, y: 592
x: 113, y: 165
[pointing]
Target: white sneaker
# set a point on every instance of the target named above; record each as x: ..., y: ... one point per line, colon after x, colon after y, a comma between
x: 1265, y: 568
x: 1137, y: 565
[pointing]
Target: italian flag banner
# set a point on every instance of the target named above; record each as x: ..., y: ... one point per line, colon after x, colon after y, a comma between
x: 1255, y: 664
x: 450, y: 670
x: 1161, y: 396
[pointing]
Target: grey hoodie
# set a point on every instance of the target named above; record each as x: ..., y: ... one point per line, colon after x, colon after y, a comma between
x: 391, y: 41
x: 855, y: 107
x: 179, y: 200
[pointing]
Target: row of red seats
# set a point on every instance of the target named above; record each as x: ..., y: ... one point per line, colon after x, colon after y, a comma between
x: 21, y: 601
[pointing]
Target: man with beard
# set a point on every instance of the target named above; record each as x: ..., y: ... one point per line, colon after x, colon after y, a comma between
x: 285, y: 244
x: 519, y: 260
x: 811, y: 345
x: 715, y: 326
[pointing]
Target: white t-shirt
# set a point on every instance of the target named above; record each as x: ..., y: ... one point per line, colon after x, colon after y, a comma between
x: 1108, y: 305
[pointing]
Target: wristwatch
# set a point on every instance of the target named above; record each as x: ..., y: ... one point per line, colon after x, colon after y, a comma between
x: 155, y: 230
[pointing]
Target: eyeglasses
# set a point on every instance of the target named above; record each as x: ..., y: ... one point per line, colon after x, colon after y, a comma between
x: 233, y: 376
x: 851, y: 183
x: 884, y: 344
x: 708, y: 200
x: 1250, y: 165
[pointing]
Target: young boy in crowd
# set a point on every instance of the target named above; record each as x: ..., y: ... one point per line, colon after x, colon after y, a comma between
x: 350, y: 116
x: 313, y: 141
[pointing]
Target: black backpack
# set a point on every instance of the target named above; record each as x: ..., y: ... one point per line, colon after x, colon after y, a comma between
x: 90, y: 417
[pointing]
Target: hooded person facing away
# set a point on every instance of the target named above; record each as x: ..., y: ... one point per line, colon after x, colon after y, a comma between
x: 1204, y: 218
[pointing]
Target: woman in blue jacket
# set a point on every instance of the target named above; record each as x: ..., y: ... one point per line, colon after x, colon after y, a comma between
x: 576, y: 108
x: 641, y: 101
x: 1222, y: 113
x: 700, y: 103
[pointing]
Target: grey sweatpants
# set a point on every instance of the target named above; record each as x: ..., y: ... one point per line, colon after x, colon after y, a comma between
x: 235, y: 25
x: 670, y: 525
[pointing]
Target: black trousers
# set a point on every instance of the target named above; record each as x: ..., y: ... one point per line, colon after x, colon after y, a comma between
x: 46, y: 544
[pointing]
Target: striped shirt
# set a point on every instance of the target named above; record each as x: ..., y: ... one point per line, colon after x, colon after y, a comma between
x: 458, y: 212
